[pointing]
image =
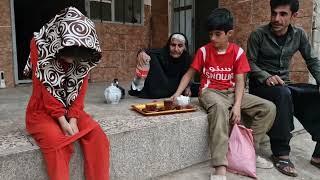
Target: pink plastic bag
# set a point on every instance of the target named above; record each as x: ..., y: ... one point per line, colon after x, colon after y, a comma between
x: 241, y: 154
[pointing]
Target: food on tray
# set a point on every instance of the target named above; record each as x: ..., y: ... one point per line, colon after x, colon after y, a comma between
x: 188, y: 106
x: 168, y: 104
x: 151, y: 107
x: 178, y: 107
x: 162, y: 107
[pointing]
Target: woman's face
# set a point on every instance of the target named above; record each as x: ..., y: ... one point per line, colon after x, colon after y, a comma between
x: 176, y: 48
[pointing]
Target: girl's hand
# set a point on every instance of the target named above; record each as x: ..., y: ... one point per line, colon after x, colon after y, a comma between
x: 235, y: 114
x: 74, y: 125
x: 65, y: 126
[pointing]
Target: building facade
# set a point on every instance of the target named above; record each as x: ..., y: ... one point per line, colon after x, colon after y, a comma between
x: 125, y: 26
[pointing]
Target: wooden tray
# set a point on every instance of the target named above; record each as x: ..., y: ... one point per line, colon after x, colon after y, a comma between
x: 160, y: 104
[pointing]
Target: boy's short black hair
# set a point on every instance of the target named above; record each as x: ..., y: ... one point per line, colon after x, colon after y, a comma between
x: 294, y: 4
x: 220, y: 19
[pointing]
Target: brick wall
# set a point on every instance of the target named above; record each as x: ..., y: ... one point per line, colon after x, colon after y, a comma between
x: 6, y: 59
x: 159, y: 23
x: 249, y: 14
x: 119, y: 45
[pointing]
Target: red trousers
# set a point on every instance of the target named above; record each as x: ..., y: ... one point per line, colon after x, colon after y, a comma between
x: 58, y: 148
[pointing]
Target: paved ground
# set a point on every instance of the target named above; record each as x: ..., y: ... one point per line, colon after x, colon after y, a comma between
x: 302, y: 148
x: 14, y: 100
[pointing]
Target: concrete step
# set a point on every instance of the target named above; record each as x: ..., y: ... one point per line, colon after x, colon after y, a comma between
x: 141, y: 147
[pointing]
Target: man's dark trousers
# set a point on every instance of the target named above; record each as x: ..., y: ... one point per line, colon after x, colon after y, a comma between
x: 299, y: 100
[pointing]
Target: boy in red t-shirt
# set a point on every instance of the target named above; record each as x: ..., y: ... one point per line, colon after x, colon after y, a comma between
x: 223, y: 66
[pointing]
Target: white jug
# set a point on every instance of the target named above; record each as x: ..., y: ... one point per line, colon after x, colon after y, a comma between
x: 112, y: 94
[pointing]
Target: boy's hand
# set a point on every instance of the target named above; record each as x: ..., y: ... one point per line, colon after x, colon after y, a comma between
x: 143, y: 58
x: 174, y: 96
x: 65, y: 126
x: 74, y: 125
x: 235, y: 114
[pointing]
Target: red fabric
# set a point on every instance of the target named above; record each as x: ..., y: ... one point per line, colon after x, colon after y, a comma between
x: 218, y: 70
x: 41, y: 122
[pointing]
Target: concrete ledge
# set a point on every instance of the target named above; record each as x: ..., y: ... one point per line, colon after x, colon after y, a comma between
x: 141, y: 147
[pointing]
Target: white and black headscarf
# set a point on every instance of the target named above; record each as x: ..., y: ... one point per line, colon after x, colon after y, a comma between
x: 69, y: 28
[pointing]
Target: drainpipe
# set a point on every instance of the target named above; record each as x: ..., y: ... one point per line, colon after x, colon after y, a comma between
x: 315, y: 33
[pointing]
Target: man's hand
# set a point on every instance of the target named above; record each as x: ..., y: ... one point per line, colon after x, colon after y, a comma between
x: 143, y: 58
x: 274, y: 80
x: 65, y: 126
x: 74, y: 125
x: 187, y: 91
x: 235, y: 114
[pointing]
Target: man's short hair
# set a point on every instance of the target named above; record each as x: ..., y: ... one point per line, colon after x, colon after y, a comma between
x: 220, y: 19
x: 294, y: 4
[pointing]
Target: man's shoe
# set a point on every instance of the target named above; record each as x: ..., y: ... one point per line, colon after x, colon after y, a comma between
x: 217, y: 177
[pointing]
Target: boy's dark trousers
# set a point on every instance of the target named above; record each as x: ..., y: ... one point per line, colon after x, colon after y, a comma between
x: 299, y: 100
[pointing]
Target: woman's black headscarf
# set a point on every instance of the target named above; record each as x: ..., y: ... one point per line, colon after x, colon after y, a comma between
x: 165, y: 71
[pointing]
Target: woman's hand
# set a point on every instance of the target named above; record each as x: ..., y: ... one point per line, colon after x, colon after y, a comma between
x: 143, y: 59
x: 235, y: 114
x: 65, y: 126
x: 74, y: 125
x: 187, y: 91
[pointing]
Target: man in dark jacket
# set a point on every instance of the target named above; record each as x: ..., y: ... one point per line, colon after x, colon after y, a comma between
x: 270, y: 50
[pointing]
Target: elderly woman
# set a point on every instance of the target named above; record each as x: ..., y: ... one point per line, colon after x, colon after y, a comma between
x: 167, y: 66
x: 61, y: 56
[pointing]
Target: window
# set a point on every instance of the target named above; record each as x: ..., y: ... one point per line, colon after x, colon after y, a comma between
x: 100, y: 10
x: 124, y: 11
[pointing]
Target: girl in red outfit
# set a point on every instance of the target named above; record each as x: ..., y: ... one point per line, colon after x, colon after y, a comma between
x: 61, y: 56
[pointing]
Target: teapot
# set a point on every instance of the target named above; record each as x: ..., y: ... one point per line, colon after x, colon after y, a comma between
x: 112, y: 94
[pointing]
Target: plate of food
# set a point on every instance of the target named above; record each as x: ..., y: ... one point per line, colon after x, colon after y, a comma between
x: 161, y: 108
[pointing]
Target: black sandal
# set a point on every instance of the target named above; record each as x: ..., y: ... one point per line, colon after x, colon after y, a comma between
x: 315, y: 164
x: 281, y: 164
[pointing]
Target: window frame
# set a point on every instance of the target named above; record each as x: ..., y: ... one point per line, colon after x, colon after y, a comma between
x: 87, y: 7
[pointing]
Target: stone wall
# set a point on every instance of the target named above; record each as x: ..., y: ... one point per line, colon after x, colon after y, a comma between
x: 250, y: 14
x: 6, y: 57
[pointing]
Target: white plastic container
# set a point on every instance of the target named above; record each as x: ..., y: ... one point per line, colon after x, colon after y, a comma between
x: 112, y: 94
x: 2, y: 82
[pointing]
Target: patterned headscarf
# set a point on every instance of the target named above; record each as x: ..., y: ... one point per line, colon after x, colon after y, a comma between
x: 68, y: 28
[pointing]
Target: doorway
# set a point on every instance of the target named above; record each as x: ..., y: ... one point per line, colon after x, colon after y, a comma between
x: 28, y: 17
x: 189, y: 17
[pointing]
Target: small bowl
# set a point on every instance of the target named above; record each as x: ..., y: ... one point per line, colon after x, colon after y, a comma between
x: 183, y: 100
